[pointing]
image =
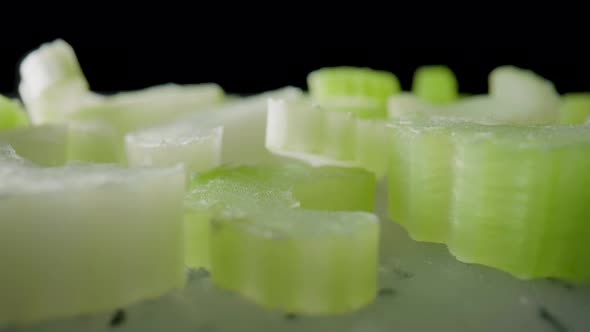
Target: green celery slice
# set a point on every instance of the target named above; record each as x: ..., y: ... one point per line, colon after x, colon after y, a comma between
x: 520, y: 200
x: 362, y: 91
x: 420, y: 178
x: 300, y: 261
x: 266, y: 187
x: 574, y: 108
x: 46, y: 145
x: 99, y: 238
x: 12, y: 113
x: 372, y: 145
x: 435, y: 84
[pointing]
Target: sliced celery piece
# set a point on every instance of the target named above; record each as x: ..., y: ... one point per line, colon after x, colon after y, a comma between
x: 520, y: 200
x: 272, y: 215
x: 286, y: 185
x: 49, y: 67
x: 372, y: 145
x: 484, y: 109
x: 12, y: 113
x: 301, y: 130
x: 52, y: 84
x: 197, y: 149
x: 243, y: 121
x: 84, y: 239
x: 420, y: 178
x: 362, y: 91
x: 45, y: 145
x: 301, y: 261
x: 133, y: 110
x: 435, y: 84
x: 92, y: 141
x: 574, y: 108
x: 534, y: 100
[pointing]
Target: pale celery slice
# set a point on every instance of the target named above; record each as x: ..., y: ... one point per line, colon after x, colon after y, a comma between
x: 520, y: 200
x: 420, y: 178
x: 12, y: 113
x: 300, y: 261
x: 362, y: 91
x: 133, y: 110
x: 574, y: 108
x: 533, y: 98
x: 45, y: 145
x: 436, y: 84
x: 196, y: 148
x: 244, y: 122
x: 52, y: 84
x: 84, y: 239
x: 303, y: 131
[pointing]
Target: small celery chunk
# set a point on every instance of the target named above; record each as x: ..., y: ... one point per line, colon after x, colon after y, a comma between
x: 12, y: 114
x: 301, y: 261
x: 574, y: 108
x: 289, y: 237
x: 521, y: 200
x: 166, y: 146
x: 55, y: 90
x: 362, y: 91
x: 532, y: 99
x: 229, y: 134
x: 84, y: 239
x: 420, y: 178
x: 435, y: 84
x: 52, y: 83
x: 303, y: 131
x: 46, y: 145
x: 372, y: 145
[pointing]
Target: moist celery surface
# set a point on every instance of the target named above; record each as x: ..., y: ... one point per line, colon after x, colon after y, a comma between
x: 82, y: 239
x: 265, y: 222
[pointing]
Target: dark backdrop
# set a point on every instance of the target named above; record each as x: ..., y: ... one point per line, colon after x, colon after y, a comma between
x: 257, y: 62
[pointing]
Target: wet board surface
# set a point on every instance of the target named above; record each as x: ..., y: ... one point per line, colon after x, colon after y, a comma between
x: 422, y: 288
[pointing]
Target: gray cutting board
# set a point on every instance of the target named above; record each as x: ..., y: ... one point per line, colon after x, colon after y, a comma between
x: 423, y: 288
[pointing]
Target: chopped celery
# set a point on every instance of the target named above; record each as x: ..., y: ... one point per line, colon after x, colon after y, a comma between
x: 303, y: 131
x: 52, y: 83
x: 244, y: 126
x: 484, y: 109
x: 12, y: 114
x: 197, y: 149
x: 45, y: 145
x: 83, y: 239
x: 420, y: 178
x: 302, y: 261
x: 435, y: 84
x: 533, y: 99
x: 372, y: 145
x: 252, y: 213
x: 255, y: 189
x: 362, y: 91
x: 520, y: 200
x: 574, y: 108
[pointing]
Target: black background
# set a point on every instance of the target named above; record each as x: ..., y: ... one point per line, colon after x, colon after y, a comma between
x: 246, y: 61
